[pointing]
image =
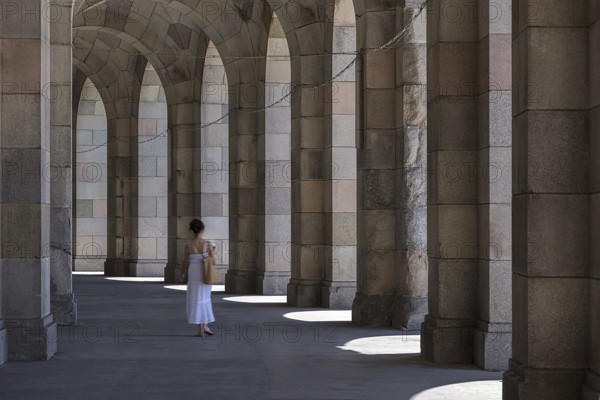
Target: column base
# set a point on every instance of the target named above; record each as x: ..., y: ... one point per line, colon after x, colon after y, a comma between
x: 222, y: 269
x: 447, y: 341
x: 338, y: 295
x: 522, y: 383
x: 64, y: 309
x: 116, y: 268
x: 409, y: 312
x: 304, y: 293
x: 272, y: 282
x: 240, y: 282
x: 31, y: 340
x: 147, y: 268
x: 89, y: 264
x: 171, y: 273
x: 3, y: 343
x: 492, y: 346
x: 590, y: 394
x: 372, y: 310
x: 591, y: 389
x: 135, y: 268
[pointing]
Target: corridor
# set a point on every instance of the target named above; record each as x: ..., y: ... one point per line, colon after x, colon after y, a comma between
x: 132, y: 342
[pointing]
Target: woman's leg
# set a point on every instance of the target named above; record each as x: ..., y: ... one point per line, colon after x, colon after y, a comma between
x: 200, y: 330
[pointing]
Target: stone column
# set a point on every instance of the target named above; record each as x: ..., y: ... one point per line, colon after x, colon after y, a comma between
x: 591, y: 389
x: 184, y: 177
x: 90, y: 177
x: 310, y: 127
x: 339, y: 284
x: 377, y: 255
x: 447, y: 334
x: 26, y: 209
x: 469, y: 157
x: 153, y: 169
x: 555, y: 219
x: 410, y: 303
x: 322, y: 155
x: 492, y: 340
x: 246, y: 179
x: 64, y: 306
x: 122, y: 247
x: 274, y: 266
x: 123, y: 172
x: 452, y: 215
x: 3, y: 332
x: 185, y: 157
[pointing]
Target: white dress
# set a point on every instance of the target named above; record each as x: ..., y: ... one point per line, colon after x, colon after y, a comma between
x: 199, y: 306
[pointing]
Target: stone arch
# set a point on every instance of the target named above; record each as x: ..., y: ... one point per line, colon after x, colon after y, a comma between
x: 117, y: 70
x: 232, y: 30
x: 232, y: 36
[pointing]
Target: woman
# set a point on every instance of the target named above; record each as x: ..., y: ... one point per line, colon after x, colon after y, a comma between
x: 199, y: 307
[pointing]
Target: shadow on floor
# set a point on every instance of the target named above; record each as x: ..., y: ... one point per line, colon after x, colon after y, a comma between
x: 132, y: 341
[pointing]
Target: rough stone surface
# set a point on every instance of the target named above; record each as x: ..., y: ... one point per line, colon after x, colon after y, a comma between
x: 31, y: 340
x: 240, y: 282
x: 337, y: 296
x: 521, y: 382
x: 372, y: 310
x: 273, y: 283
x: 64, y: 309
x: 409, y: 312
x: 149, y: 268
x: 3, y: 344
x: 61, y: 191
x: 447, y: 341
x: 304, y: 293
x: 493, y: 347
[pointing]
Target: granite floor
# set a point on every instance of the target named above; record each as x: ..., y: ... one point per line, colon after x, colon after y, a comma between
x: 133, y: 342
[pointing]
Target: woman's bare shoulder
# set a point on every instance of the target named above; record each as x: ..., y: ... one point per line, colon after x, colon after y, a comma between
x: 195, y: 247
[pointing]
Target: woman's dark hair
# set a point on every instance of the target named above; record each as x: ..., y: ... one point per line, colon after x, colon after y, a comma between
x: 196, y: 226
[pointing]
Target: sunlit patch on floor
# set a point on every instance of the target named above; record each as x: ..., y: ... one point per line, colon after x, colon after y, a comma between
x: 135, y: 279
x: 215, y: 288
x: 88, y: 273
x: 397, y: 344
x: 258, y: 299
x: 176, y: 287
x: 479, y: 390
x: 321, y: 316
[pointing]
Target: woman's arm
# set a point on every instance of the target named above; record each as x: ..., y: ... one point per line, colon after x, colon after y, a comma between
x: 211, y: 252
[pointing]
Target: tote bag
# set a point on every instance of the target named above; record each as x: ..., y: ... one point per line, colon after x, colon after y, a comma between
x: 211, y: 275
